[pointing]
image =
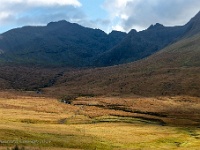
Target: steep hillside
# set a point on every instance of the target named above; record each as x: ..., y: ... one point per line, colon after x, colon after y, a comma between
x: 184, y: 54
x: 57, y: 44
x: 193, y: 25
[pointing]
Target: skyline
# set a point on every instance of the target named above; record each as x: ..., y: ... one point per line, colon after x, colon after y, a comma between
x: 107, y: 15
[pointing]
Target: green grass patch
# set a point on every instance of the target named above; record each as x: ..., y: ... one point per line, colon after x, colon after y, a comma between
x: 23, y: 138
x: 36, y: 121
x: 124, y: 120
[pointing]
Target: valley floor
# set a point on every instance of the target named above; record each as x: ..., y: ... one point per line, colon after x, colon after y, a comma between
x: 117, y: 123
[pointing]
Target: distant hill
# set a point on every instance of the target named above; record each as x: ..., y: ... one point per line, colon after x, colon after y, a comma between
x: 57, y: 44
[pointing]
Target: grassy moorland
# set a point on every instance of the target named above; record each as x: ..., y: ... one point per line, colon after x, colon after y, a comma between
x: 99, y: 123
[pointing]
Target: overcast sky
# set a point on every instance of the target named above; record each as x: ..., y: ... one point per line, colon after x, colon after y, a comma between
x: 106, y: 15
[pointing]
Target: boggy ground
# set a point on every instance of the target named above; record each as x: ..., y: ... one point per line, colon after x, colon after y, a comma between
x: 117, y: 123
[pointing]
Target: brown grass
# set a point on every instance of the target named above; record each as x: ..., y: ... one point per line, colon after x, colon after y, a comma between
x: 91, y: 123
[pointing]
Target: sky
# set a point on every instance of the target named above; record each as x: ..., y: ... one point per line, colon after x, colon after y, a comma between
x: 107, y: 15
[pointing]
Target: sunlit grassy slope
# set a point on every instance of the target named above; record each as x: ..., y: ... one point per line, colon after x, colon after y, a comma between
x: 45, y: 123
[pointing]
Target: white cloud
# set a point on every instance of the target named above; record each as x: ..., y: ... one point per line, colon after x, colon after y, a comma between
x: 4, y: 15
x: 75, y: 3
x: 15, y: 7
x: 140, y: 14
x: 117, y: 28
x: 124, y: 16
x: 115, y: 7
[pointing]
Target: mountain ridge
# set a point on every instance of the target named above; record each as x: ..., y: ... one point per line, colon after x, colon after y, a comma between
x: 65, y: 44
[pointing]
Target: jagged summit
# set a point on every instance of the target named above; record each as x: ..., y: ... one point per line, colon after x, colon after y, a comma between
x: 63, y: 23
x: 116, y: 32
x: 156, y: 26
x: 58, y: 22
x: 133, y: 31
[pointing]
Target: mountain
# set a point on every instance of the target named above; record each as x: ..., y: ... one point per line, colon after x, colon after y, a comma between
x: 174, y: 70
x: 138, y: 45
x: 64, y: 44
x: 57, y: 44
